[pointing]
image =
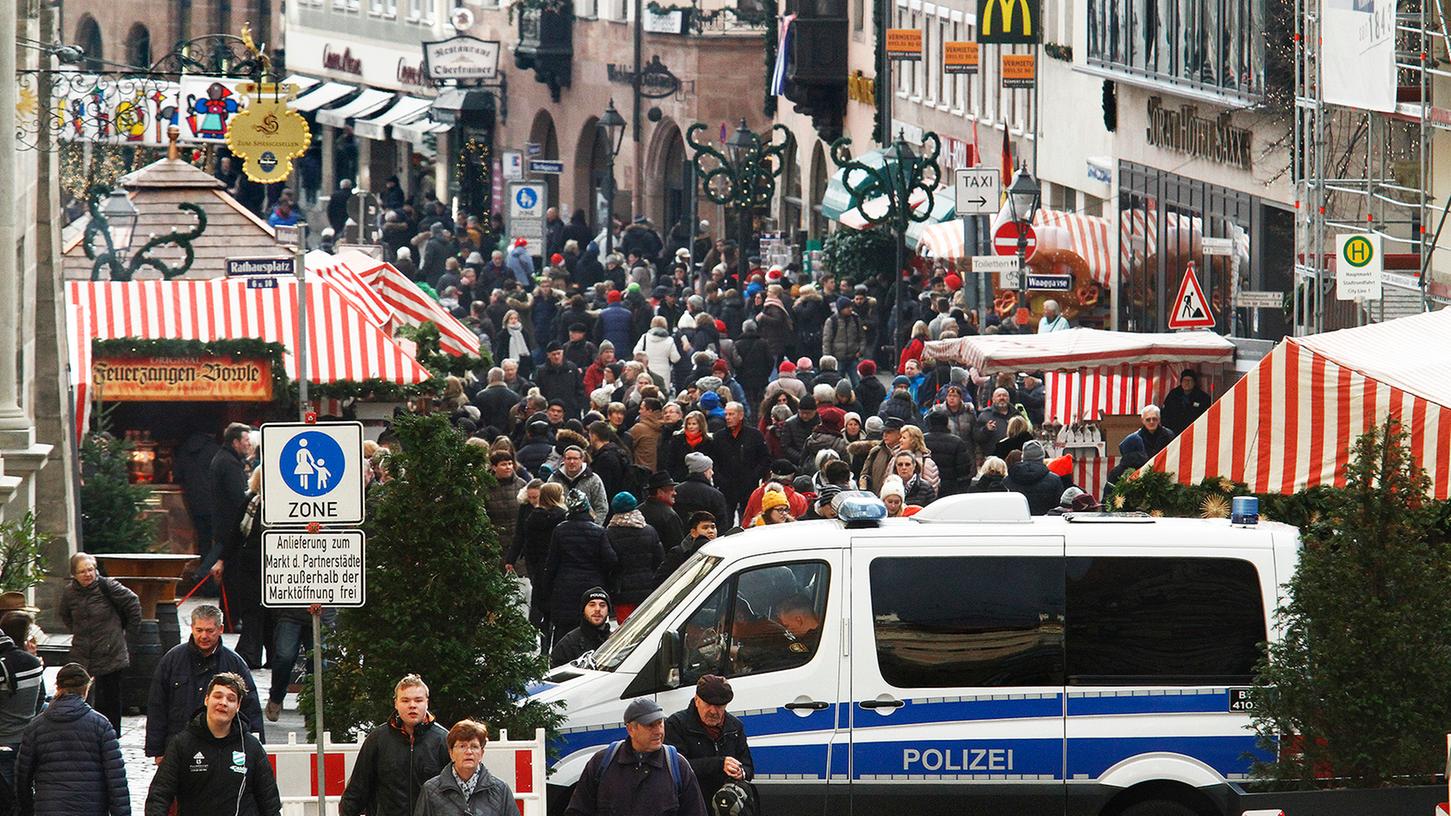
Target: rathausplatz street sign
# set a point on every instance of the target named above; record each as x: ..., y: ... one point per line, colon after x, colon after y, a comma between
x: 312, y: 473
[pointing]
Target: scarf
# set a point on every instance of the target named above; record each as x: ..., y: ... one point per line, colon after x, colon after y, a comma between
x: 693, y: 439
x: 713, y: 731
x: 634, y: 518
x: 518, y: 347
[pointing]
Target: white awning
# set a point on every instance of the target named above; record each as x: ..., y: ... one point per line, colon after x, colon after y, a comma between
x: 414, y: 130
x: 366, y: 102
x: 303, y: 83
x: 324, y: 94
x: 406, y: 108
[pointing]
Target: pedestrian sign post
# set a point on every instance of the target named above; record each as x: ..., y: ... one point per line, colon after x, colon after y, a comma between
x: 1359, y: 267
x: 1190, y: 309
x: 1005, y: 240
x: 312, y: 473
x: 526, y: 213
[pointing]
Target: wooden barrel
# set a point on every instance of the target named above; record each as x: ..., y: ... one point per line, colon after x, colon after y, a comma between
x: 144, y: 641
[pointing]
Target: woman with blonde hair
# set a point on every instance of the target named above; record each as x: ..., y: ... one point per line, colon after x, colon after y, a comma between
x: 693, y: 437
x: 914, y: 347
x: 916, y: 443
x: 990, y: 476
x: 513, y: 341
x: 1019, y: 432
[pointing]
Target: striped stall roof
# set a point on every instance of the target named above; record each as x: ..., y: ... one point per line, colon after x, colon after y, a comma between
x: 1089, y: 394
x: 346, y: 280
x: 1291, y: 422
x: 1080, y: 348
x: 409, y: 304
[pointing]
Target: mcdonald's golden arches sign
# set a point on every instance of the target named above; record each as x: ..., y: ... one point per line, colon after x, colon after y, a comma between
x: 1009, y: 21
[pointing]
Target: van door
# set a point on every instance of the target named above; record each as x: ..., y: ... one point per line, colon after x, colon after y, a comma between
x: 774, y: 628
x: 957, y: 676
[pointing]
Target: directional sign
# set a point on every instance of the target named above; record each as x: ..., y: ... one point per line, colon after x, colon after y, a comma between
x: 300, y: 568
x: 1050, y: 283
x: 987, y: 264
x: 979, y: 191
x: 287, y: 234
x: 1190, y: 309
x: 1217, y: 246
x: 1359, y: 268
x: 548, y: 167
x: 312, y: 472
x: 1005, y: 240
x: 1259, y: 300
x: 513, y: 166
x: 533, y: 149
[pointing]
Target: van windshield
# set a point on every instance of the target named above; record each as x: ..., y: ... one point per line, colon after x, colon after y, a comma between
x: 647, y: 616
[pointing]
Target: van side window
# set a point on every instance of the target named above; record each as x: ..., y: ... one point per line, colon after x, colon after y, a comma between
x: 761, y: 620
x: 968, y: 621
x: 1144, y: 621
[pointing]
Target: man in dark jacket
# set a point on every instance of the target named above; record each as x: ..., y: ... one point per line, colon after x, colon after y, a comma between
x: 702, y: 531
x: 712, y: 741
x: 1185, y: 404
x: 659, y: 510
x: 580, y: 557
x: 179, y: 686
x: 593, y: 629
x: 537, y: 448
x: 229, y: 491
x: 753, y: 361
x: 742, y: 460
x: 949, y: 452
x: 502, y: 503
x: 214, y: 766
x: 495, y: 401
x: 1033, y: 479
x: 638, y: 776
x: 992, y: 422
x: 559, y: 379
x: 192, y: 470
x: 869, y: 390
x: 21, y: 695
x: 337, y: 205
x: 615, y: 323
x: 69, y: 761
x: 397, y: 757
x: 798, y: 429
x: 1156, y: 437
x: 844, y: 336
x: 698, y: 491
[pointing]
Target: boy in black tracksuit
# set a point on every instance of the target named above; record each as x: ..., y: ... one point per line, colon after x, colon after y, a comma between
x: 215, y: 766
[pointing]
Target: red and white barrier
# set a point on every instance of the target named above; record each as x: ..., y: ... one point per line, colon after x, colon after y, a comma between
x: 518, y: 762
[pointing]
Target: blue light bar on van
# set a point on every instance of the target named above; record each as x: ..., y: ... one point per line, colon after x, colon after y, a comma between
x: 859, y: 507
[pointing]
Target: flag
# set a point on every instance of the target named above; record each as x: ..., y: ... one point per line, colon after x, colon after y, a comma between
x: 1007, y: 160
x: 783, y: 55
x: 974, y: 153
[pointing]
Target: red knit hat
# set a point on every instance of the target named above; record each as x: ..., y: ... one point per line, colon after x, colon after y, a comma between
x: 1062, y: 466
x: 787, y: 367
x: 867, y: 368
x: 612, y: 296
x: 556, y: 259
x: 518, y: 242
x: 721, y: 366
x: 953, y: 282
x: 720, y: 326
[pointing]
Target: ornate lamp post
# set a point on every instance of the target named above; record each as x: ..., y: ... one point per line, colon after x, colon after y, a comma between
x: 905, y: 172
x: 112, y: 230
x: 744, y: 177
x: 1024, y: 196
x: 613, y: 126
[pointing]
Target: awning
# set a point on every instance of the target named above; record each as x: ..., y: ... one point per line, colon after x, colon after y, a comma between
x: 414, y: 130
x: 1080, y: 348
x: 841, y: 192
x: 944, y: 208
x: 1291, y: 423
x: 1088, y: 237
x: 303, y: 83
x: 367, y: 101
x: 405, y: 108
x: 410, y: 305
x: 324, y: 94
x: 325, y: 267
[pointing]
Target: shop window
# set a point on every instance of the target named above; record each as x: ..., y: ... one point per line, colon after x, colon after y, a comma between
x: 1213, y: 45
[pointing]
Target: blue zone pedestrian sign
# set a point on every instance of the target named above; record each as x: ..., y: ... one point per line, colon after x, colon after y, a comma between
x: 526, y: 198
x: 312, y: 473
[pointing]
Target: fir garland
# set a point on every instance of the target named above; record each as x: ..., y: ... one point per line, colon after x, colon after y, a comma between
x: 1059, y: 51
x: 769, y: 102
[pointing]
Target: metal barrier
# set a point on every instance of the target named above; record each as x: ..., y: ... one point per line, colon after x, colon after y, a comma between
x: 518, y: 762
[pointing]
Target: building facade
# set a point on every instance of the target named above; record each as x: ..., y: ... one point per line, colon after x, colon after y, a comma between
x: 137, y: 33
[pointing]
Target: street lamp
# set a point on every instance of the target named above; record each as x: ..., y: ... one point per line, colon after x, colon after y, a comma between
x: 1024, y: 196
x: 121, y: 217
x: 111, y: 231
x: 744, y: 177
x: 905, y: 171
x: 612, y: 125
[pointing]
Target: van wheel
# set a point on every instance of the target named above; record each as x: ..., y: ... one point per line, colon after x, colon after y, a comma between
x: 1159, y: 807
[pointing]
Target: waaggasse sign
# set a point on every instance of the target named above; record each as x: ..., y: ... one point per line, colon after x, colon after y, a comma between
x: 182, y: 379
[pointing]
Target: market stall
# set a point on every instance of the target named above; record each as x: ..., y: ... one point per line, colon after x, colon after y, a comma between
x: 1094, y: 382
x: 1291, y: 422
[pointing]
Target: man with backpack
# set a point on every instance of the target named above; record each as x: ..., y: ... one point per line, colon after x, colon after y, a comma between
x: 640, y: 774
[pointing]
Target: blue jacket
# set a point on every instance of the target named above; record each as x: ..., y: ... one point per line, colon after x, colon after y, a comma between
x: 521, y: 266
x: 70, y: 764
x: 177, y: 690
x: 616, y: 324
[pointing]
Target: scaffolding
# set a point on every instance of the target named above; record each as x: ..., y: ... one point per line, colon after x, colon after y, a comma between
x: 1369, y: 172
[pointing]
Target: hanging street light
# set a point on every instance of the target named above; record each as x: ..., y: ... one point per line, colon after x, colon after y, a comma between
x: 743, y: 177
x: 612, y: 125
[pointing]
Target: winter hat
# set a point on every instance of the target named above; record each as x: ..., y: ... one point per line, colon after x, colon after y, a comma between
x: 774, y: 498
x: 623, y: 502
x: 697, y: 462
x: 953, y: 281
x: 556, y: 259
x: 843, y: 390
x: 72, y: 677
x: 901, y: 381
x: 783, y: 467
x: 721, y: 368
x: 644, y: 711
x: 849, y: 416
x: 874, y: 425
x: 1033, y: 451
x: 937, y: 418
x: 612, y: 296
x: 867, y: 368
x: 803, y: 486
x: 709, y: 400
x: 831, y: 419
x: 1133, y: 443
x: 1069, y: 495
x: 576, y: 502
x: 521, y: 242
x: 1062, y: 466
x: 807, y: 403
x: 892, y: 486
x: 594, y: 594
x: 843, y: 303
x: 708, y: 383
x: 720, y: 326
x: 787, y: 367
x: 714, y: 690
x: 606, y: 344
x: 475, y: 257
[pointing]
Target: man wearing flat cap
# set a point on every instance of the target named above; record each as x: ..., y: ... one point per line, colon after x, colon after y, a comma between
x: 712, y: 741
x: 638, y: 775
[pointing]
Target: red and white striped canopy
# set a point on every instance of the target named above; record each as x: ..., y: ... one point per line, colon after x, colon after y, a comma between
x: 1090, y: 394
x: 343, y: 277
x: 343, y: 344
x: 1088, y: 237
x: 1080, y: 348
x: 406, y: 303
x: 1291, y: 422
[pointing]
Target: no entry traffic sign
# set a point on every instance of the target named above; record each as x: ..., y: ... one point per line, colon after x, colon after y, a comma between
x: 1005, y: 240
x: 312, y: 473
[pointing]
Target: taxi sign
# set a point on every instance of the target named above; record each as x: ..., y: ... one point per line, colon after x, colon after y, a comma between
x: 312, y: 473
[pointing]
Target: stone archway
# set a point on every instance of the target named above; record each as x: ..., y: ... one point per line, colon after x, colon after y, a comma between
x: 788, y: 191
x: 88, y: 37
x: 543, y: 133
x: 138, y: 46
x: 591, y: 168
x: 667, y: 201
x: 816, y: 224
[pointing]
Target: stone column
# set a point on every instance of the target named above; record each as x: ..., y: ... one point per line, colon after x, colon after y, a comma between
x: 329, y: 178
x: 15, y: 430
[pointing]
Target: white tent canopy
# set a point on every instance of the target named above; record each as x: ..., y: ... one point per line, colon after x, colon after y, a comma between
x: 1080, y: 348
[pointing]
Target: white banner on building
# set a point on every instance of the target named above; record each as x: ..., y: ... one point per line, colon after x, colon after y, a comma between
x: 1358, y: 54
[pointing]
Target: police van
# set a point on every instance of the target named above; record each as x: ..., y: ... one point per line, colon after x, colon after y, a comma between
x: 969, y: 659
